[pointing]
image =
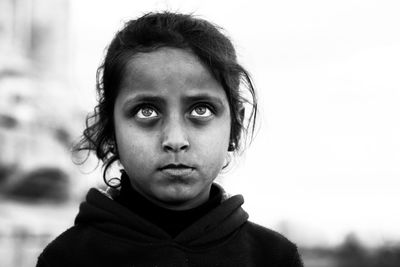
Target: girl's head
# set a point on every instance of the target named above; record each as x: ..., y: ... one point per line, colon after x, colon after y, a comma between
x: 171, y: 105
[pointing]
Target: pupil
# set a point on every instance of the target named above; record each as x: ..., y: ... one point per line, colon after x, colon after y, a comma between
x: 200, y: 110
x: 147, y: 112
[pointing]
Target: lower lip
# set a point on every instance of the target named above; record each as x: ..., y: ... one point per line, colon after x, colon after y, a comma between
x: 177, y: 172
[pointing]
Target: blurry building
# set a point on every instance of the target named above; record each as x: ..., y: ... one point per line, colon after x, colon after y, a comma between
x: 39, y: 120
x: 38, y: 114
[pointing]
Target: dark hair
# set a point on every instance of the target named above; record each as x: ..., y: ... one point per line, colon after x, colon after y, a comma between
x: 146, y: 34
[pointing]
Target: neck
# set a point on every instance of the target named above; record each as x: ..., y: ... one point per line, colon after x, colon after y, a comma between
x: 178, y: 205
x: 173, y: 221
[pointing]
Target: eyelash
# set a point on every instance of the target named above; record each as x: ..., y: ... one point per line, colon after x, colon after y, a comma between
x: 197, y: 105
x: 143, y: 107
x: 203, y: 105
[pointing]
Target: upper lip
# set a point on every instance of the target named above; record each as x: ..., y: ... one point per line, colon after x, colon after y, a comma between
x: 175, y: 166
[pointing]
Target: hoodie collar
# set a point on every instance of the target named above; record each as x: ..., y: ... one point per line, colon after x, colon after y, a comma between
x: 101, y: 211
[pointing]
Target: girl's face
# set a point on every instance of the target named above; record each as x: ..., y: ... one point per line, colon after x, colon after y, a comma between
x: 172, y: 126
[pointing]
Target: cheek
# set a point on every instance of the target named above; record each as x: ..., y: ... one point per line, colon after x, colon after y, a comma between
x: 213, y: 144
x: 134, y: 147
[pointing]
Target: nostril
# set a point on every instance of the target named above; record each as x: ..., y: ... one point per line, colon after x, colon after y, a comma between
x: 184, y: 147
x: 175, y: 147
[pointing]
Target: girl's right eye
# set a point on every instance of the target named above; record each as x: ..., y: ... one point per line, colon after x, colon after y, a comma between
x: 146, y: 113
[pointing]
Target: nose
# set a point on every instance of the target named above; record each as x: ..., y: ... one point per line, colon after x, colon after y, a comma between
x: 175, y: 138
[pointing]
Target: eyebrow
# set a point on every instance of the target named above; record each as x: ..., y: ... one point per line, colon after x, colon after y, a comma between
x: 144, y: 98
x: 148, y: 98
x: 204, y: 97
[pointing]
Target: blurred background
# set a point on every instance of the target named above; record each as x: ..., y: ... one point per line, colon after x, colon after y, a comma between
x: 324, y: 168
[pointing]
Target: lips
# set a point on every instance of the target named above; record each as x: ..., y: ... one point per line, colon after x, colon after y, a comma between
x: 176, y: 170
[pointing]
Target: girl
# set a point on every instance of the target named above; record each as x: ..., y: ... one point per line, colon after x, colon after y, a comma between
x: 170, y: 111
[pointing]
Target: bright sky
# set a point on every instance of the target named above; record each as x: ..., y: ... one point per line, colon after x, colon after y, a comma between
x: 326, y: 159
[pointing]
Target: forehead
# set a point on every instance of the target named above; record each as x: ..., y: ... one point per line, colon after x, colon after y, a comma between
x: 168, y: 59
x: 168, y: 70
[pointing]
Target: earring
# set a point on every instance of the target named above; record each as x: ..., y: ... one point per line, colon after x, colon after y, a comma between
x: 232, y: 146
x: 113, y: 149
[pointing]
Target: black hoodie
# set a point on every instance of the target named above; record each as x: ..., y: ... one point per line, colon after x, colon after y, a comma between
x: 108, y: 234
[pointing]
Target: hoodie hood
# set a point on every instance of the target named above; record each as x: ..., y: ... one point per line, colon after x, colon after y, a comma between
x: 102, y: 212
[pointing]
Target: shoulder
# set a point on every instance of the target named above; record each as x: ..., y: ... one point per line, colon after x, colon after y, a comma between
x: 63, y: 248
x: 269, y: 243
x: 262, y: 234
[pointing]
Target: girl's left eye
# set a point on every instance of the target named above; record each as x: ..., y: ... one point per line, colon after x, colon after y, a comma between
x: 146, y: 113
x: 201, y: 111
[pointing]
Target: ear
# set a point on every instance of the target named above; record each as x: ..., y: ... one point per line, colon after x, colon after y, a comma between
x: 232, y: 144
x: 241, y: 114
x: 114, y: 147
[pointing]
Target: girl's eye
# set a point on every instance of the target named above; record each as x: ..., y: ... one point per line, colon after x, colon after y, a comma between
x: 201, y: 111
x: 146, y: 113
